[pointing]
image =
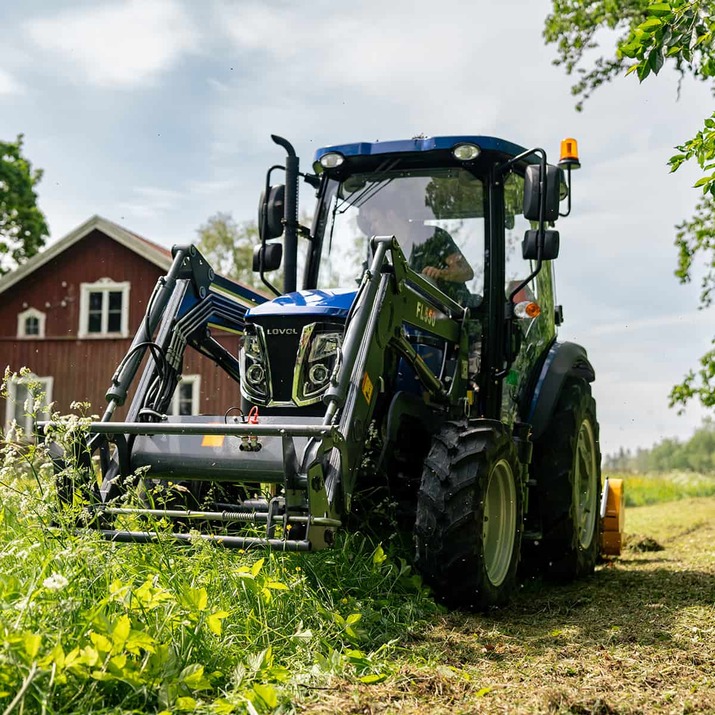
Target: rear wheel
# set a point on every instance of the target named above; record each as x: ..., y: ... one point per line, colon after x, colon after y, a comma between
x: 469, y: 515
x: 567, y: 468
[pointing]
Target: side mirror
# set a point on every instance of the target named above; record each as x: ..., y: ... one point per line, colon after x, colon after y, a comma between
x: 530, y: 246
x: 271, y: 212
x: 267, y: 257
x: 532, y: 195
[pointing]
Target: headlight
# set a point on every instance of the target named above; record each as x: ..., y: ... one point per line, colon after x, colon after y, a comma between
x: 255, y: 378
x: 318, y: 356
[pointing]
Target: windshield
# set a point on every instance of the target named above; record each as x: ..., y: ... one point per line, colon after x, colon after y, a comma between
x: 437, y: 216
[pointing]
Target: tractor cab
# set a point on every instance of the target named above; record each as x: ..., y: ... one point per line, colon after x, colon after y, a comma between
x: 470, y: 215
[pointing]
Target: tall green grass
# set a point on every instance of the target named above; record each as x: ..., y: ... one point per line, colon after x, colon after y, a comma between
x: 92, y: 626
x: 654, y: 488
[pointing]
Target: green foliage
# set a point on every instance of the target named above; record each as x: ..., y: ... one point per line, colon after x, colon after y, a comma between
x: 696, y: 455
x: 573, y: 27
x: 657, y: 488
x: 228, y: 247
x: 22, y: 225
x: 651, y: 35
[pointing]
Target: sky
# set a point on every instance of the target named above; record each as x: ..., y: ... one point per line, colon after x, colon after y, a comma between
x: 156, y: 114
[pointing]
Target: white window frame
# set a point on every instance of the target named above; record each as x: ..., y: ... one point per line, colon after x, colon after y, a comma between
x: 195, y: 382
x: 103, y: 285
x: 27, y: 422
x: 22, y: 323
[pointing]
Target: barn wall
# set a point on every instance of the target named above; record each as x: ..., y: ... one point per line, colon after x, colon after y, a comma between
x: 82, y: 369
x: 54, y: 288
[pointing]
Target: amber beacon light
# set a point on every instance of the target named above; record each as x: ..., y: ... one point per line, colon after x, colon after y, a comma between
x: 569, y: 154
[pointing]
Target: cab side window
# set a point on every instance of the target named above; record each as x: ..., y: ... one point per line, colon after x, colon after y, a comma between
x: 516, y: 268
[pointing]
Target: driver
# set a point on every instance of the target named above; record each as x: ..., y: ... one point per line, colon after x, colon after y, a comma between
x: 399, y: 210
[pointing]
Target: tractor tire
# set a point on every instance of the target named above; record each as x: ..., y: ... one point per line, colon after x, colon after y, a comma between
x: 470, y: 515
x: 566, y: 465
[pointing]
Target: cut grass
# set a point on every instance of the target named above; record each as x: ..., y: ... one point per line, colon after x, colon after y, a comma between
x: 637, y: 637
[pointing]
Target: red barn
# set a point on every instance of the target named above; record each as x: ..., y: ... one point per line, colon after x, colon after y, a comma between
x: 69, y: 315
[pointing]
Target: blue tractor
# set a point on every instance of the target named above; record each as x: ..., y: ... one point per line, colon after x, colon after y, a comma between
x: 411, y: 350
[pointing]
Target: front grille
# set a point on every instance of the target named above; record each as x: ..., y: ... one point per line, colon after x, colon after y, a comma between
x: 282, y: 336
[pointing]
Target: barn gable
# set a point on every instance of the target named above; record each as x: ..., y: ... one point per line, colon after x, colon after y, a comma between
x: 55, y: 286
x: 69, y: 314
x: 158, y: 255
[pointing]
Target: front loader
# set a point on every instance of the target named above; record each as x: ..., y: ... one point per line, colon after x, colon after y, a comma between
x: 418, y: 359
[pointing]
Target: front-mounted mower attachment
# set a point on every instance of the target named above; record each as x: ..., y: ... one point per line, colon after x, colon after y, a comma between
x: 261, y: 457
x: 286, y: 479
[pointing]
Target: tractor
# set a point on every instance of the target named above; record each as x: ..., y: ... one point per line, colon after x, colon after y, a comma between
x: 410, y: 350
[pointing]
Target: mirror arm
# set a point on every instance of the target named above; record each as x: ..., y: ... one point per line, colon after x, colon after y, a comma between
x: 264, y: 217
x: 501, y: 169
x: 290, y: 242
x: 568, y: 197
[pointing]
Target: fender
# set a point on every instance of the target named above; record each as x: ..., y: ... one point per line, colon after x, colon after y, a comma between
x: 563, y: 360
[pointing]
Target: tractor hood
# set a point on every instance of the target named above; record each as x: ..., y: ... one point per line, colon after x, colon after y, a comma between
x: 327, y: 303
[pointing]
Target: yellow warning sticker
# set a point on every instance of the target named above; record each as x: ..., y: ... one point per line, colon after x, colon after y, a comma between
x: 366, y: 387
x: 212, y: 440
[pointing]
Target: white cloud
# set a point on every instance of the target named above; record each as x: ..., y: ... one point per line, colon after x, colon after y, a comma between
x: 117, y: 44
x: 390, y: 53
x: 150, y: 202
x: 8, y: 84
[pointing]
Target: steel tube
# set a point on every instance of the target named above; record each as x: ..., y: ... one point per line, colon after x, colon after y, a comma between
x: 230, y: 542
x: 238, y: 430
x: 228, y: 516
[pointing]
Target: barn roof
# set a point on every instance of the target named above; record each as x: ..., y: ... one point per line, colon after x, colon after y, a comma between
x: 158, y: 255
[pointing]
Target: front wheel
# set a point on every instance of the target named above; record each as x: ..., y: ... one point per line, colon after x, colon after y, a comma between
x: 469, y: 515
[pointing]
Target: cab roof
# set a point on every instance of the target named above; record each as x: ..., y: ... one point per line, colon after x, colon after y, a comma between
x: 422, y: 144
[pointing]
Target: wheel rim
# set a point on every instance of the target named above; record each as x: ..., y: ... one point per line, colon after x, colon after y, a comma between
x: 499, y: 528
x: 585, y: 484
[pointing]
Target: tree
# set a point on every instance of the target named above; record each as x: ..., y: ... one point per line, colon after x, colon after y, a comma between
x: 228, y: 247
x: 22, y: 225
x: 649, y: 35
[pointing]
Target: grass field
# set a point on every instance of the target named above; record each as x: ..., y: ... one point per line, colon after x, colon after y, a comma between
x: 87, y: 626
x: 643, y: 489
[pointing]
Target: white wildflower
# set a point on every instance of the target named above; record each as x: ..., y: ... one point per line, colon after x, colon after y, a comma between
x: 55, y: 582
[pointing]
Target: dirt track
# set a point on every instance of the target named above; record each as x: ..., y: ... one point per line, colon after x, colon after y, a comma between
x: 638, y: 637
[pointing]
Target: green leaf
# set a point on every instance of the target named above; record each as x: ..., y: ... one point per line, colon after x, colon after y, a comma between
x: 373, y: 678
x: 100, y: 642
x: 643, y: 70
x: 221, y: 707
x: 650, y: 24
x: 138, y: 641
x: 378, y: 556
x: 659, y: 9
x: 704, y: 181
x: 185, y: 704
x: 117, y: 663
x: 276, y: 586
x: 120, y: 632
x: 256, y: 568
x: 197, y: 598
x: 32, y: 642
x: 214, y: 622
x: 267, y: 693
x: 655, y: 60
x: 630, y: 49
x: 193, y: 677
